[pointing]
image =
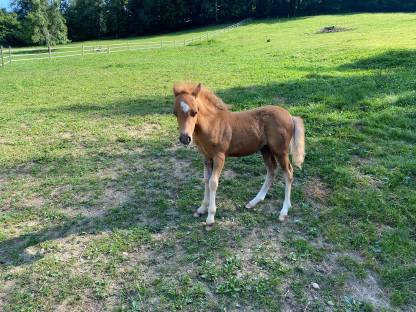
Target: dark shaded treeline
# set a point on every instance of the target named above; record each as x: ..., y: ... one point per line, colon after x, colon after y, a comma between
x: 38, y: 22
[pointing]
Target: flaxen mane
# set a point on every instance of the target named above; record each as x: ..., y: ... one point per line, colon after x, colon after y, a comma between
x: 210, y: 97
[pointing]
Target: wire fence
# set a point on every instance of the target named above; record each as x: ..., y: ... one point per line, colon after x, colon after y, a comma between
x: 9, y: 55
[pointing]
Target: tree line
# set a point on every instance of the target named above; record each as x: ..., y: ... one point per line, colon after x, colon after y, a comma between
x: 50, y: 22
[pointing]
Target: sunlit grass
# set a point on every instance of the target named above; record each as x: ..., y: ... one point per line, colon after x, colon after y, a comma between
x: 96, y: 196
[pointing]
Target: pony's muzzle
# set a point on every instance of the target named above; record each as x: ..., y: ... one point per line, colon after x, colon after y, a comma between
x: 185, y: 139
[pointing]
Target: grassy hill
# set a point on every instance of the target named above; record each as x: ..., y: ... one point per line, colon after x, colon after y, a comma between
x: 96, y: 195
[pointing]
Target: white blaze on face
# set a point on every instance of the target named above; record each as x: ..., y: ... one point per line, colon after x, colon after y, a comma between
x: 185, y: 107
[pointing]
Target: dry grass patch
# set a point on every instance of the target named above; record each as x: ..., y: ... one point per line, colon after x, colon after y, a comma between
x: 228, y: 174
x: 368, y: 290
x: 112, y: 173
x: 145, y: 130
x: 316, y: 189
x: 366, y: 179
x: 181, y: 168
x: 34, y: 202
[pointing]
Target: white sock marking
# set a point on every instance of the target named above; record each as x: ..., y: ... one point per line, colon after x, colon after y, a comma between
x: 263, y: 191
x: 286, y: 203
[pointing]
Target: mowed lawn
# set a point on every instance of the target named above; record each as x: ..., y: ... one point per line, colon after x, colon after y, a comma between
x: 96, y: 194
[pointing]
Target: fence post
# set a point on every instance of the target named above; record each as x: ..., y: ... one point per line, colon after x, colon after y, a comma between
x: 108, y: 49
x: 82, y: 47
x: 10, y: 54
x: 1, y: 55
x: 50, y: 51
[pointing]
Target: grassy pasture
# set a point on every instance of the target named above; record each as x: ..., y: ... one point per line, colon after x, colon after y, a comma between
x: 96, y: 196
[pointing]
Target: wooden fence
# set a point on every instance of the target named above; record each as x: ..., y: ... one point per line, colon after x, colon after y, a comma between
x: 9, y: 55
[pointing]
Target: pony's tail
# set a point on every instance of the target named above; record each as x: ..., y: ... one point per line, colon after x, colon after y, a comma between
x: 297, y: 144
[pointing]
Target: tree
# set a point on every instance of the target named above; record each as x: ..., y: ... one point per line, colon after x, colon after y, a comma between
x: 86, y: 19
x: 41, y: 22
x: 9, y: 28
x: 116, y: 17
x: 57, y: 29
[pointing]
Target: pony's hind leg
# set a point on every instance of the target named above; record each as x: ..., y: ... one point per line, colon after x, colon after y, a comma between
x: 205, y: 202
x: 288, y: 174
x: 271, y: 165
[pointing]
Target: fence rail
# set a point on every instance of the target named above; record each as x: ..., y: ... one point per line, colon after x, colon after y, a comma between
x: 9, y: 55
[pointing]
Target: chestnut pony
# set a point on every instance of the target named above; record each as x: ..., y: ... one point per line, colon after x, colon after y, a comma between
x: 218, y: 133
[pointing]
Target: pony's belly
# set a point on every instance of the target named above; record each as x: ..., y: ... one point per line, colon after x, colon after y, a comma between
x: 240, y: 154
x: 243, y: 151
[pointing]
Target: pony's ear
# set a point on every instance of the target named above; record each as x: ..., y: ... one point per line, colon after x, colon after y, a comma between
x: 197, y: 90
x: 176, y: 90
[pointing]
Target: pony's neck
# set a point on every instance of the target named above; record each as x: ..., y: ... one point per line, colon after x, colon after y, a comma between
x: 207, y: 116
x: 208, y: 109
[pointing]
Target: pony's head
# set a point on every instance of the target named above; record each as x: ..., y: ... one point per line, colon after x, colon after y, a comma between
x: 186, y: 110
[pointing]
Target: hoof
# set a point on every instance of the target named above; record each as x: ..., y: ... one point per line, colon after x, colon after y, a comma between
x: 209, y: 227
x: 249, y: 206
x: 282, y: 218
x: 197, y: 214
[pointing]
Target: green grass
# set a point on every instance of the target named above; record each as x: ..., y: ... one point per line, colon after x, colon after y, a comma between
x: 96, y: 195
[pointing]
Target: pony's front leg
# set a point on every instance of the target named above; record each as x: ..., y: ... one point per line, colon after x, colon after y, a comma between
x: 218, y: 164
x: 205, y: 202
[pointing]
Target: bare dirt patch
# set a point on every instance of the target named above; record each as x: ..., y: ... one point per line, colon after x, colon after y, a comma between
x: 368, y: 290
x: 113, y: 172
x: 144, y: 130
x: 181, y: 168
x: 331, y: 29
x: 332, y: 263
x: 316, y: 189
x: 66, y: 135
x: 85, y: 301
x: 229, y: 174
x: 111, y: 198
x: 136, y: 150
x: 5, y: 289
x: 71, y: 247
x: 3, y: 180
x: 34, y: 202
x: 365, y: 290
x: 28, y: 225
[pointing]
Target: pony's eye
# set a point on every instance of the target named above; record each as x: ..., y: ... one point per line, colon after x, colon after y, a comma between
x: 192, y: 113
